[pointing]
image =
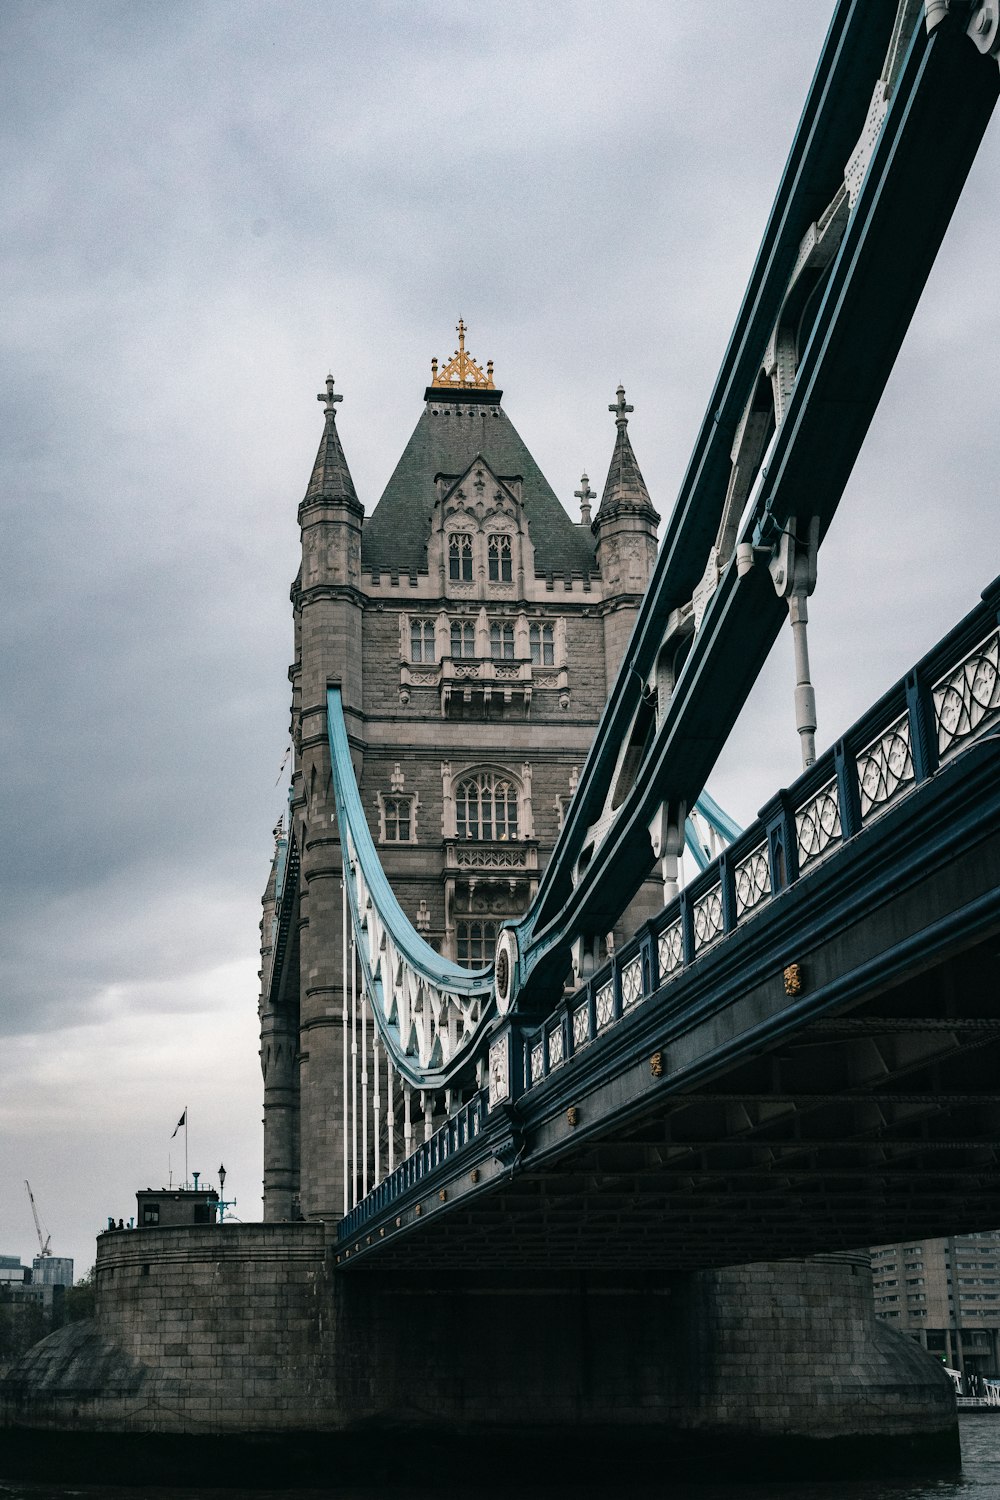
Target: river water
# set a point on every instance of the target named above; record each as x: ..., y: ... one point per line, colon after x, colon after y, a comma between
x: 979, y: 1480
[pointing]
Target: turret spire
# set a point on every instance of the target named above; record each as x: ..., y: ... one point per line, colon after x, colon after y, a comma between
x: 331, y: 478
x: 625, y: 489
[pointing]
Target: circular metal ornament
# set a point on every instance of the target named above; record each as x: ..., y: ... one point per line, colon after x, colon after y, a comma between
x: 506, y: 968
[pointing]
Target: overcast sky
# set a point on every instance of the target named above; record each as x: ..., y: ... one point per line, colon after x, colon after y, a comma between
x: 205, y: 207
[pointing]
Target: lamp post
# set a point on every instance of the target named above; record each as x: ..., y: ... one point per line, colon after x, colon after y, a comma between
x: 223, y: 1203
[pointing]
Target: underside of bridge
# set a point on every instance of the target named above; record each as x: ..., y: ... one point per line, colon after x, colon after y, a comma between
x: 864, y: 1128
x: 723, y: 1133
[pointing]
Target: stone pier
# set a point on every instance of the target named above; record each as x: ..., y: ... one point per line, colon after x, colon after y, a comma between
x: 247, y: 1332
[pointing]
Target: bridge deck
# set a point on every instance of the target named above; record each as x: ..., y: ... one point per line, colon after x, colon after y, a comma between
x: 723, y: 1121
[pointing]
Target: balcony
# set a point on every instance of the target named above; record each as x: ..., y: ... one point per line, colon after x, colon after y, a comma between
x: 483, y: 687
x: 471, y: 858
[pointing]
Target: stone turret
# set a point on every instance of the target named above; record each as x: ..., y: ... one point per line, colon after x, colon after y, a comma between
x: 327, y: 602
x: 625, y: 528
x: 327, y: 588
x: 329, y: 608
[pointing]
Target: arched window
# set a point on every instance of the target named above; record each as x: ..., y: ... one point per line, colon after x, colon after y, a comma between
x: 486, y: 807
x: 422, y: 640
x: 502, y: 642
x: 499, y: 552
x: 397, y: 815
x: 463, y: 638
x: 543, y: 650
x: 476, y: 942
x: 460, y: 557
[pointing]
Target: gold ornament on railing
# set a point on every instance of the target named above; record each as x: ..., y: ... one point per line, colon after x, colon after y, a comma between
x: 794, y: 979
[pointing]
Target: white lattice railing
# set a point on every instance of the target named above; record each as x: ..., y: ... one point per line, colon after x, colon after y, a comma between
x: 961, y: 704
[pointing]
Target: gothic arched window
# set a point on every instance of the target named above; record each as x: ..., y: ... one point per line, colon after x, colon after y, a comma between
x: 501, y: 642
x: 460, y: 557
x: 543, y: 649
x: 397, y: 819
x: 476, y: 942
x: 486, y: 807
x: 422, y: 640
x: 463, y: 638
x: 499, y: 550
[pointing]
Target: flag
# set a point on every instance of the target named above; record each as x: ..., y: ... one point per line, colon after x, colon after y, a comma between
x: 180, y: 1122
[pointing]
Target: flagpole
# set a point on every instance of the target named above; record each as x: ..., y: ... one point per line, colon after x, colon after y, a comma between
x: 186, y: 1177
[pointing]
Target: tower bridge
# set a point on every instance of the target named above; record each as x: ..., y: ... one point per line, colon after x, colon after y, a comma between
x: 539, y: 1084
x: 504, y: 725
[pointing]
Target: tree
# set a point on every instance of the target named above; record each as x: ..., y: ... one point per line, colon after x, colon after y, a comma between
x: 79, y: 1300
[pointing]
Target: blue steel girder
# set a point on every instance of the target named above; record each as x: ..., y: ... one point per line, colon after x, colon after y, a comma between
x: 943, y: 93
x: 432, y: 1014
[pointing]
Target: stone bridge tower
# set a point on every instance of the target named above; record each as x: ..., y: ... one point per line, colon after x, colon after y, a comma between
x: 474, y: 630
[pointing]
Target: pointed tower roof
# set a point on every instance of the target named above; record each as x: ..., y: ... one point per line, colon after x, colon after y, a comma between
x: 625, y: 488
x: 331, y: 478
x: 462, y: 420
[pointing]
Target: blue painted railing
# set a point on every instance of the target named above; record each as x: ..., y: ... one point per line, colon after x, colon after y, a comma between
x: 458, y: 1131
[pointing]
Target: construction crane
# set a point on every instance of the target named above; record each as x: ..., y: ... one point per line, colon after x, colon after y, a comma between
x: 43, y: 1244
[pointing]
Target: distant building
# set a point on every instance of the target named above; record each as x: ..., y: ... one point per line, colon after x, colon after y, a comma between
x: 11, y: 1271
x: 946, y: 1293
x: 167, y: 1207
x: 52, y: 1270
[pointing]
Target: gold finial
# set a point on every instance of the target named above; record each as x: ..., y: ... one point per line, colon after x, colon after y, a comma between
x: 461, y: 371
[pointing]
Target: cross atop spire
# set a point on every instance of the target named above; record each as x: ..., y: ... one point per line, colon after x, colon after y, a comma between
x: 625, y: 493
x: 331, y: 478
x: 621, y: 408
x: 585, y: 494
x: 328, y: 398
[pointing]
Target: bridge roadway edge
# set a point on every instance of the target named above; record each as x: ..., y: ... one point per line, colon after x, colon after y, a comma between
x: 240, y: 1345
